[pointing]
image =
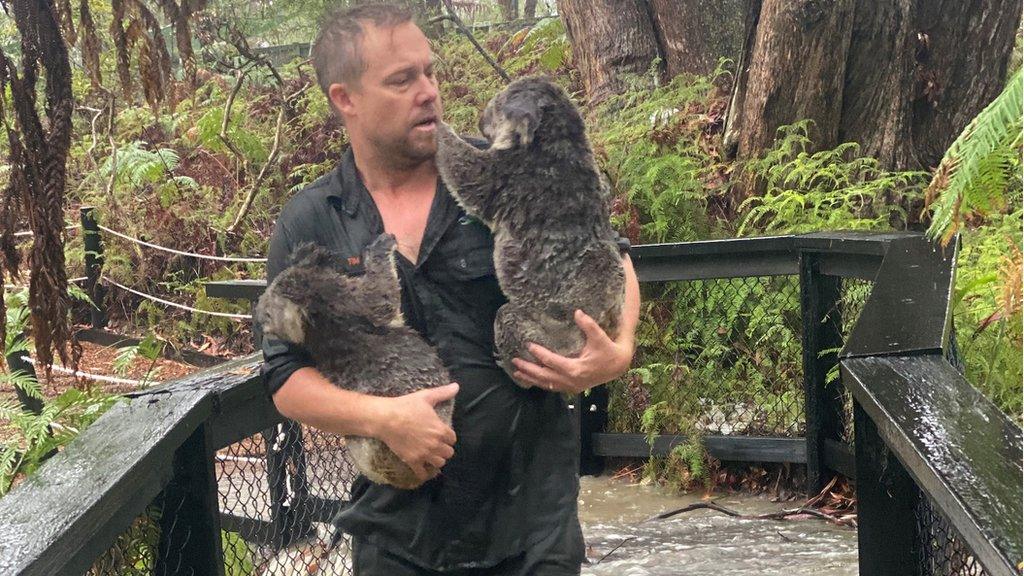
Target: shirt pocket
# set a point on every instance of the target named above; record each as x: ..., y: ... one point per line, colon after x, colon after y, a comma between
x: 466, y: 253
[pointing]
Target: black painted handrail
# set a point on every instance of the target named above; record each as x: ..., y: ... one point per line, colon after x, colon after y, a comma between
x: 961, y: 451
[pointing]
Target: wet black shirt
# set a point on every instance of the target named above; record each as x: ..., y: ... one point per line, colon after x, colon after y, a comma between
x: 514, y: 474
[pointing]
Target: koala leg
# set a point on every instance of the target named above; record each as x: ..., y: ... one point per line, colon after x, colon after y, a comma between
x: 467, y: 172
x: 381, y: 290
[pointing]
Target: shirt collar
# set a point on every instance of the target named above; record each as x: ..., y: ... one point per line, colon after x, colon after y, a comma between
x: 346, y: 189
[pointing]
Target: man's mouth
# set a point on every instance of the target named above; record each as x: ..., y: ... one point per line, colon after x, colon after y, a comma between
x: 428, y: 123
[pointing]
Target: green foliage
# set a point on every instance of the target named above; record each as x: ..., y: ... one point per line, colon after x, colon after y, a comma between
x: 237, y: 556
x: 137, y: 167
x: 150, y: 348
x: 836, y: 189
x: 31, y: 438
x: 988, y: 310
x: 654, y: 149
x: 248, y: 143
x: 982, y: 169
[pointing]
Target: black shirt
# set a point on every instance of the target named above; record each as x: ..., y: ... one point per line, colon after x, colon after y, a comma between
x: 513, y: 477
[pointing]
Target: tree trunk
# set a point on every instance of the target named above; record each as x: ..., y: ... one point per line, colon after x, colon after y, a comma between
x: 509, y: 9
x: 796, y: 71
x: 964, y: 53
x: 694, y: 34
x: 610, y: 39
x: 530, y: 9
x: 919, y: 71
x: 878, y: 87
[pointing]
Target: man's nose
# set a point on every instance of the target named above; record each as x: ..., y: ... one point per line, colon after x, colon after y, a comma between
x: 428, y: 92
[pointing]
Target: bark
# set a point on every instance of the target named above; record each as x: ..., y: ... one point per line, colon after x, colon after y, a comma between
x: 963, y: 55
x: 731, y: 133
x: 796, y: 72
x: 509, y: 9
x: 610, y: 39
x: 529, y: 9
x: 878, y: 86
x: 919, y: 71
x: 693, y: 35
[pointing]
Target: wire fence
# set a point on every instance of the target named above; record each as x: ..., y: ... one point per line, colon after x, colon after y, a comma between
x: 717, y: 357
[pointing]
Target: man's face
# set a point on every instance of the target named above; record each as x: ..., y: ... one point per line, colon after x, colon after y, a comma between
x: 395, y: 105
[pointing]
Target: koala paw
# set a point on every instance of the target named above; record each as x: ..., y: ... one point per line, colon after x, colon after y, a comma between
x: 382, y: 246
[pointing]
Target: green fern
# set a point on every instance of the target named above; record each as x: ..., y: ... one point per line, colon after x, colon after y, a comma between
x: 137, y: 166
x: 982, y: 165
x: 836, y: 189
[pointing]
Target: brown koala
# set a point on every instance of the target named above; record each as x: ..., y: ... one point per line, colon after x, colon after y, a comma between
x: 352, y: 327
x: 539, y: 190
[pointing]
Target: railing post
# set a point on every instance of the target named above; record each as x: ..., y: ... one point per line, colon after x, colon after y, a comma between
x: 190, y: 533
x: 822, y: 338
x: 887, y: 539
x: 93, y: 266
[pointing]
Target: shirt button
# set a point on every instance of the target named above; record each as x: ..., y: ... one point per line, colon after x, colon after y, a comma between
x: 462, y: 262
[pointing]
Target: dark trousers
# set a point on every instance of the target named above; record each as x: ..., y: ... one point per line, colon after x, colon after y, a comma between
x: 559, y: 554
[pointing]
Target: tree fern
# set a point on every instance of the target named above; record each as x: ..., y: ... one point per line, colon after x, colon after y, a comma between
x: 981, y: 166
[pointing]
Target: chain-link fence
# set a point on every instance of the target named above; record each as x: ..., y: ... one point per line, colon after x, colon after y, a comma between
x: 716, y: 357
x: 941, y: 550
x: 275, y: 512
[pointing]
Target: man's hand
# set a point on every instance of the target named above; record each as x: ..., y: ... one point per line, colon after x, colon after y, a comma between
x: 602, y: 359
x: 414, y: 432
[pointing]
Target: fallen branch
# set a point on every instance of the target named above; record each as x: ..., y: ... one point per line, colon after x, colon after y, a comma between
x: 780, y: 515
x: 468, y: 34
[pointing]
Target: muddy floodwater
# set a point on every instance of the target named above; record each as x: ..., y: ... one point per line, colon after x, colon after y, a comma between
x: 703, y: 542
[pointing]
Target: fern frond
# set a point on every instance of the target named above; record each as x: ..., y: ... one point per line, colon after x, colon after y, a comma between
x: 973, y: 175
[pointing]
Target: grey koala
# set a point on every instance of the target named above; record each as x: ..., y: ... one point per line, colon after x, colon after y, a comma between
x: 539, y: 190
x: 352, y: 327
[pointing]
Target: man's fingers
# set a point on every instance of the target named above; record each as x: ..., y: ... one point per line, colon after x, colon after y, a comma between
x: 437, y: 395
x: 449, y: 437
x: 436, y: 461
x: 420, y: 471
x: 446, y: 451
x: 591, y: 329
x: 549, y: 358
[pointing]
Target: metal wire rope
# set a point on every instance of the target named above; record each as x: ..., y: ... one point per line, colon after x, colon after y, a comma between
x: 176, y: 305
x: 94, y: 377
x: 181, y: 252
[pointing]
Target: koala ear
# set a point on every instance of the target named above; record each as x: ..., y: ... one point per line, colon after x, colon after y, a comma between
x: 309, y: 255
x: 519, y: 123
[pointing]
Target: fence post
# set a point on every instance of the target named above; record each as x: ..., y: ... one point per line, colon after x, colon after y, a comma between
x: 190, y: 533
x: 93, y: 266
x: 887, y: 539
x: 822, y: 338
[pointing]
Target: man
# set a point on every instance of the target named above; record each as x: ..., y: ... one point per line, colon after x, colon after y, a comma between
x: 501, y: 497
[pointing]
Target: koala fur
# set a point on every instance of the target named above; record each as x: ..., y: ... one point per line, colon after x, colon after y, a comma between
x: 352, y: 327
x: 539, y: 190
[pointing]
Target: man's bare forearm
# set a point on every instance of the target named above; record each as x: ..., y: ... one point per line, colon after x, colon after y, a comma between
x: 310, y: 398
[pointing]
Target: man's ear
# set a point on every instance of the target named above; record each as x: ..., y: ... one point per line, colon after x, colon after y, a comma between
x: 340, y: 96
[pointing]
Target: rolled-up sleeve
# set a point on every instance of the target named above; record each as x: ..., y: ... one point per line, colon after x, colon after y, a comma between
x: 280, y: 359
